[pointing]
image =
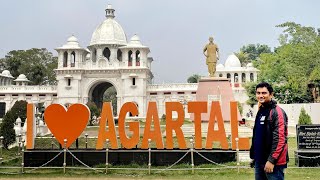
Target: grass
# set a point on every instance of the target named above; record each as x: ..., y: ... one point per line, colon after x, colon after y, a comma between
x: 156, y: 173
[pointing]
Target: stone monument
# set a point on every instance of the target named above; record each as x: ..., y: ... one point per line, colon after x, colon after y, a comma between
x: 211, y: 51
x: 214, y: 88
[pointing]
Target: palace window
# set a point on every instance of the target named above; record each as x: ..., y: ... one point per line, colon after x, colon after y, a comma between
x: 137, y: 58
x: 243, y: 77
x: 94, y: 55
x: 73, y: 59
x: 65, y: 59
x: 119, y: 55
x: 107, y: 53
x: 133, y: 81
x: 69, y: 82
x: 130, y: 58
x: 251, y: 77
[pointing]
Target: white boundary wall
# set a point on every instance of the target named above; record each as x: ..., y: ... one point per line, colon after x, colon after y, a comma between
x: 293, y: 112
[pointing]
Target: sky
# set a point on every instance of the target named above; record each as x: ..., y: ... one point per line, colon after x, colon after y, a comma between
x: 176, y: 31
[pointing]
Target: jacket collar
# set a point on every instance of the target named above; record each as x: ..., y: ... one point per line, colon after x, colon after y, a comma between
x: 270, y: 104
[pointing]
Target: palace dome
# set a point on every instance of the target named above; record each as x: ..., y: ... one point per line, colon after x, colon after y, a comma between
x: 6, y: 73
x: 22, y: 78
x: 232, y: 62
x: 72, y: 43
x: 109, y: 31
x: 135, y: 40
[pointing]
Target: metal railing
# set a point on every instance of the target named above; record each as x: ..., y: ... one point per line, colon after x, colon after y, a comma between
x: 24, y: 170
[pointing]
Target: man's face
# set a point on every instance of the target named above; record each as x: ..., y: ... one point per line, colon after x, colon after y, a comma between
x: 263, y: 95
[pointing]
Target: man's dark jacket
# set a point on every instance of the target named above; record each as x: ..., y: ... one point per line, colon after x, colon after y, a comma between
x: 275, y: 141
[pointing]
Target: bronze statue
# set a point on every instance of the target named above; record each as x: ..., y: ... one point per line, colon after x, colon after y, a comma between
x: 211, y: 51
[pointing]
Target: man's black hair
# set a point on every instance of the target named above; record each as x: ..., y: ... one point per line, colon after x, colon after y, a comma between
x: 265, y: 84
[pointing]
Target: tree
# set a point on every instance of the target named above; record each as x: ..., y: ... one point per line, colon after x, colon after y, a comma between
x: 36, y: 64
x: 243, y: 58
x: 94, y: 111
x: 304, y: 118
x: 293, y: 65
x: 194, y: 78
x: 110, y: 95
x: 251, y: 92
x: 251, y: 52
x: 19, y: 109
x: 295, y: 34
x: 6, y: 129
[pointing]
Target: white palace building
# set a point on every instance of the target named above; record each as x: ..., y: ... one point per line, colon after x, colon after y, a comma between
x: 84, y: 74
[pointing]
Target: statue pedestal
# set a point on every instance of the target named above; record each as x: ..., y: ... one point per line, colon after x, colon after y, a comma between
x: 215, y: 89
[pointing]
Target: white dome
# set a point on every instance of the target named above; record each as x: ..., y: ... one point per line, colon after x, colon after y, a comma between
x: 22, y: 78
x: 72, y: 39
x: 72, y: 43
x: 232, y: 61
x: 220, y: 66
x: 109, y: 31
x: 6, y: 73
x: 135, y: 40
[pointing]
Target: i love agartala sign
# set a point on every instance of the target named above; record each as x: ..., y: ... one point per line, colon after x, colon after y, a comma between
x: 68, y: 124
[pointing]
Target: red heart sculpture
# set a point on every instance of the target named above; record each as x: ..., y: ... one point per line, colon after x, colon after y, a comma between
x: 66, y: 123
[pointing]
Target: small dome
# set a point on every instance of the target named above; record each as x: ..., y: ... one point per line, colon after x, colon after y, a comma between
x: 6, y: 73
x: 220, y: 66
x: 22, y: 78
x: 232, y: 61
x: 135, y: 40
x: 73, y: 39
x: 72, y: 43
x: 109, y: 6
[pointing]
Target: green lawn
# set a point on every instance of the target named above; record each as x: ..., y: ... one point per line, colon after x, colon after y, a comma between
x: 206, y: 171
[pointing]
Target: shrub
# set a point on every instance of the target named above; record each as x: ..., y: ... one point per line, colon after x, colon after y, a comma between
x: 240, y: 108
x: 94, y: 111
x: 6, y: 129
x: 304, y: 118
x: 19, y: 109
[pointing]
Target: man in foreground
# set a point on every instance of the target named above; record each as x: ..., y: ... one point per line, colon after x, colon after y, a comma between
x: 269, y: 149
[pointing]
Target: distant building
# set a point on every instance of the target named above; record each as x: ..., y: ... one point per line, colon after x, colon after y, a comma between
x: 84, y: 74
